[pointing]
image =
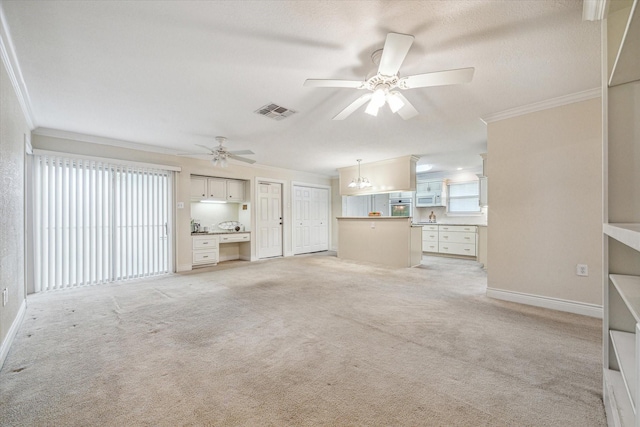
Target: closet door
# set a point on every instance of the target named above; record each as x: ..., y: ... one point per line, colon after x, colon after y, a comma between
x: 310, y: 219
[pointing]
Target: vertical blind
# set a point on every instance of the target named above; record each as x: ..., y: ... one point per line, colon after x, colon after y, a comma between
x: 96, y: 222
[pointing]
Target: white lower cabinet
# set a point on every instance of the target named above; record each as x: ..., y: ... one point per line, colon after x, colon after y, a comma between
x: 205, y: 250
x: 450, y: 239
x: 239, y: 237
x: 430, y: 238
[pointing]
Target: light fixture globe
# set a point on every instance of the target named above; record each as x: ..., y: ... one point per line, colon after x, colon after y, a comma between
x: 361, y: 182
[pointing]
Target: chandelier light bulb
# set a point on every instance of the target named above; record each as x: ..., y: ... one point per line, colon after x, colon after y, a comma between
x: 361, y: 182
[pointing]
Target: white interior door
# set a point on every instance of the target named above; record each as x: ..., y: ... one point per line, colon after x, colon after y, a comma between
x: 311, y: 214
x: 269, y: 219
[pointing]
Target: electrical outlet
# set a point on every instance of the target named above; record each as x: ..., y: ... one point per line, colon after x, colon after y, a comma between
x: 5, y: 296
x: 180, y: 205
x: 582, y: 270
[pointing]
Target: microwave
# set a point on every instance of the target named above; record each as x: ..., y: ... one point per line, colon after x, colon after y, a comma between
x: 428, y: 200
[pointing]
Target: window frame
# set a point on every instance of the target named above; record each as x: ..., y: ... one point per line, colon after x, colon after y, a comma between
x: 475, y: 196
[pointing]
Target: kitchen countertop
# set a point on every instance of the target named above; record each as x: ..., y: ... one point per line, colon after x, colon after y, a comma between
x: 202, y: 233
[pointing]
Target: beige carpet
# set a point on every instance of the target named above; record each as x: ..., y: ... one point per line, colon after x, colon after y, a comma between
x: 301, y: 341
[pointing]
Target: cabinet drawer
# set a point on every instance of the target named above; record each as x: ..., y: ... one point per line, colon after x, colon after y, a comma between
x: 467, y: 228
x: 429, y: 228
x: 241, y: 237
x: 457, y: 248
x: 429, y: 246
x: 429, y: 236
x: 205, y: 242
x: 205, y: 257
x: 456, y: 237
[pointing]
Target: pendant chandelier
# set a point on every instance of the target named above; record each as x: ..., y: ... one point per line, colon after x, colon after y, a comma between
x: 361, y: 182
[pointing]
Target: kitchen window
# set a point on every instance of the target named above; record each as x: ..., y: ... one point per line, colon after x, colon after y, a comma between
x: 464, y: 197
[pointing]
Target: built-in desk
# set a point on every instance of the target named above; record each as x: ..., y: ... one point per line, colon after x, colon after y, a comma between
x: 391, y: 241
x: 213, y: 247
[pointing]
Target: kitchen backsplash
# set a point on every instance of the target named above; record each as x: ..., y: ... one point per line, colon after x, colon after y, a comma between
x: 211, y: 214
x: 422, y: 215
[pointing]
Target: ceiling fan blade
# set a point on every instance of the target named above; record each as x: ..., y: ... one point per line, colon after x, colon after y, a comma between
x: 354, y: 84
x: 242, y: 159
x: 241, y: 152
x: 408, y: 111
x: 193, y: 154
x: 439, y: 78
x: 395, y: 50
x: 204, y: 146
x: 353, y: 107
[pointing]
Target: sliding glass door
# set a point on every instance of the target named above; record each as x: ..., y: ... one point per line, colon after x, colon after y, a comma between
x: 96, y: 222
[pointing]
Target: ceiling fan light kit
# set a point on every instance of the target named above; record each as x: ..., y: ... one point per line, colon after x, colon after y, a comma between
x: 386, y: 79
x: 220, y: 154
x: 361, y: 182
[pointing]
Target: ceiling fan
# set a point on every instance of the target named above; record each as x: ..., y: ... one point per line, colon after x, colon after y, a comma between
x: 220, y: 154
x: 381, y: 85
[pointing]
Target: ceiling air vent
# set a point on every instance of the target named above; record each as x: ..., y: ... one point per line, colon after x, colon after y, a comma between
x: 274, y: 111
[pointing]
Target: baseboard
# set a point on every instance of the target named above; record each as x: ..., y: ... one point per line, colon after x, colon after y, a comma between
x: 582, y: 308
x: 13, y: 330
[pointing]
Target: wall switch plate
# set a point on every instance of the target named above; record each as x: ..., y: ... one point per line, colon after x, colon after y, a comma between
x: 582, y: 270
x: 180, y: 205
x: 5, y: 296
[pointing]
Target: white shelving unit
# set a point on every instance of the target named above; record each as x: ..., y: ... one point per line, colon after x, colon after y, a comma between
x: 621, y: 228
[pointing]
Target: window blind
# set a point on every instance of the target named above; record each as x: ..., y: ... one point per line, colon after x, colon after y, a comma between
x: 464, y: 197
x: 97, y: 222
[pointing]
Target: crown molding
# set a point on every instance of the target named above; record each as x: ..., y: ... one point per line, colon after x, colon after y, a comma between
x: 594, y: 10
x: 543, y: 105
x: 10, y: 61
x: 93, y: 139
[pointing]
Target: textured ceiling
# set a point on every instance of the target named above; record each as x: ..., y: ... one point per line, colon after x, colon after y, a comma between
x: 175, y: 74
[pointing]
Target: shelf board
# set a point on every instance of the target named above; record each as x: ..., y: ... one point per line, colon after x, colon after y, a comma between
x: 624, y: 344
x: 616, y: 393
x: 629, y: 233
x: 629, y: 289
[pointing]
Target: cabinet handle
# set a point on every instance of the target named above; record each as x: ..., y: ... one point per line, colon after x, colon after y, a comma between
x: 205, y: 243
x: 205, y: 256
x: 203, y: 195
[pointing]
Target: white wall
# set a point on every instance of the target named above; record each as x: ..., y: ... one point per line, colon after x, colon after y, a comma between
x: 545, y: 203
x: 13, y: 131
x: 182, y: 232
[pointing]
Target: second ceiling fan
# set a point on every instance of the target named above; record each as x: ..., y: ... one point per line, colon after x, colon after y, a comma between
x: 381, y: 86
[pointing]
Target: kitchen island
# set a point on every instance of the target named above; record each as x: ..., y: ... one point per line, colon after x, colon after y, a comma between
x: 388, y: 240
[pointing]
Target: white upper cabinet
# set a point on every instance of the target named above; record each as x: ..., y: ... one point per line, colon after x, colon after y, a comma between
x: 198, y: 188
x: 428, y: 188
x: 235, y: 190
x: 218, y: 189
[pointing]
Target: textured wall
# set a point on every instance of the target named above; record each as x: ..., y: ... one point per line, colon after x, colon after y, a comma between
x: 545, y: 202
x: 13, y: 127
